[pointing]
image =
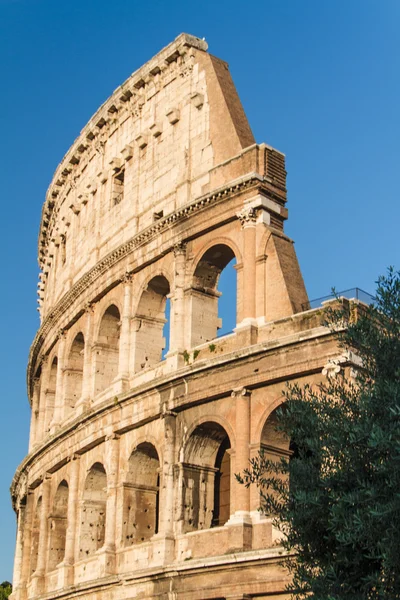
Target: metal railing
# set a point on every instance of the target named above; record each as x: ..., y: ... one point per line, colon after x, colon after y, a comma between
x: 351, y: 294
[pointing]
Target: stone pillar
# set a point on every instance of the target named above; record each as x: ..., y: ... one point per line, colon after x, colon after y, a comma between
x: 112, y: 453
x: 19, y: 589
x: 125, y: 332
x: 59, y: 399
x: 44, y: 417
x: 178, y: 316
x: 43, y: 536
x: 84, y: 402
x: 167, y: 498
x: 19, y: 548
x: 72, y: 520
x: 35, y: 413
x: 242, y: 398
x: 248, y: 218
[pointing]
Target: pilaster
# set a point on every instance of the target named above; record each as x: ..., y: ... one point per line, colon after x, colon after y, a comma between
x: 84, y: 402
x: 59, y: 398
x: 125, y: 333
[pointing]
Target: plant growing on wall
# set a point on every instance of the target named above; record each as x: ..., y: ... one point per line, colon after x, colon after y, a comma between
x: 337, y: 499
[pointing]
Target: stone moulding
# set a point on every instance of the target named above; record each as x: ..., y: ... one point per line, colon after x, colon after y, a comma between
x: 218, y: 195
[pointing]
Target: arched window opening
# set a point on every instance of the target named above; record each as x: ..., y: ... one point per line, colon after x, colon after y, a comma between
x: 222, y: 487
x: 35, y: 536
x: 209, y: 312
x: 74, y: 373
x: 107, y: 349
x: 274, y: 443
x: 141, y: 495
x: 206, y: 478
x: 150, y: 324
x: 58, y: 526
x: 51, y: 394
x: 93, y: 512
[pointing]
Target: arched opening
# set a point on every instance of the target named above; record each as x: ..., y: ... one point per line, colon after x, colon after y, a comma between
x: 274, y: 443
x: 74, y: 373
x: 206, y: 478
x: 35, y: 536
x: 51, y: 394
x: 141, y: 495
x: 150, y: 324
x: 58, y: 526
x: 213, y: 306
x: 93, y: 512
x: 107, y: 349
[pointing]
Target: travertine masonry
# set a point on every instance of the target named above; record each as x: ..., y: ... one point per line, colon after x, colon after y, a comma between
x: 128, y: 490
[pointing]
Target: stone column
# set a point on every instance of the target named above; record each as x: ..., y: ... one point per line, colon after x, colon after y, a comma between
x: 35, y: 413
x: 125, y: 332
x: 59, y: 398
x: 26, y: 538
x: 168, y: 488
x: 242, y: 398
x: 72, y: 520
x: 248, y: 218
x: 178, y: 316
x: 19, y: 547
x: 84, y: 402
x: 43, y: 536
x: 112, y: 453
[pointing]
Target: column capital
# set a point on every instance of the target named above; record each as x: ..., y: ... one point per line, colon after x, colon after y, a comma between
x: 61, y: 335
x: 180, y: 249
x: 167, y: 412
x: 240, y: 391
x: 89, y: 308
x: 247, y: 216
x: 73, y: 457
x: 112, y: 436
x: 127, y: 277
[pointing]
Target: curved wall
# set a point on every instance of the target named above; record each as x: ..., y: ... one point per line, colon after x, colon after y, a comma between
x: 128, y: 489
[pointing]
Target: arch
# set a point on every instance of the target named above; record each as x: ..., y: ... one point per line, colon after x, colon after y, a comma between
x: 204, y: 293
x: 58, y: 525
x: 93, y: 511
x: 141, y: 495
x: 206, y: 475
x: 74, y: 373
x: 149, y: 323
x: 35, y: 536
x: 274, y: 444
x: 106, y: 349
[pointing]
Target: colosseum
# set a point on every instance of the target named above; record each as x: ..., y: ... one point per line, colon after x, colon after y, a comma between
x: 128, y: 490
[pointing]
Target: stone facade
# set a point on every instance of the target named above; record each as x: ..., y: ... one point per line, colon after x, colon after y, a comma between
x: 128, y: 490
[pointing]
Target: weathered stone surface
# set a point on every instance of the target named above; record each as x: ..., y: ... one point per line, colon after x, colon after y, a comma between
x: 128, y: 490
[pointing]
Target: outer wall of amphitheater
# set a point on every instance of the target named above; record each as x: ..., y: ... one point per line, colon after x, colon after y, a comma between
x: 128, y: 490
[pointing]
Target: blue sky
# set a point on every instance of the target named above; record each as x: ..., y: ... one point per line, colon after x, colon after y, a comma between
x: 318, y: 80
